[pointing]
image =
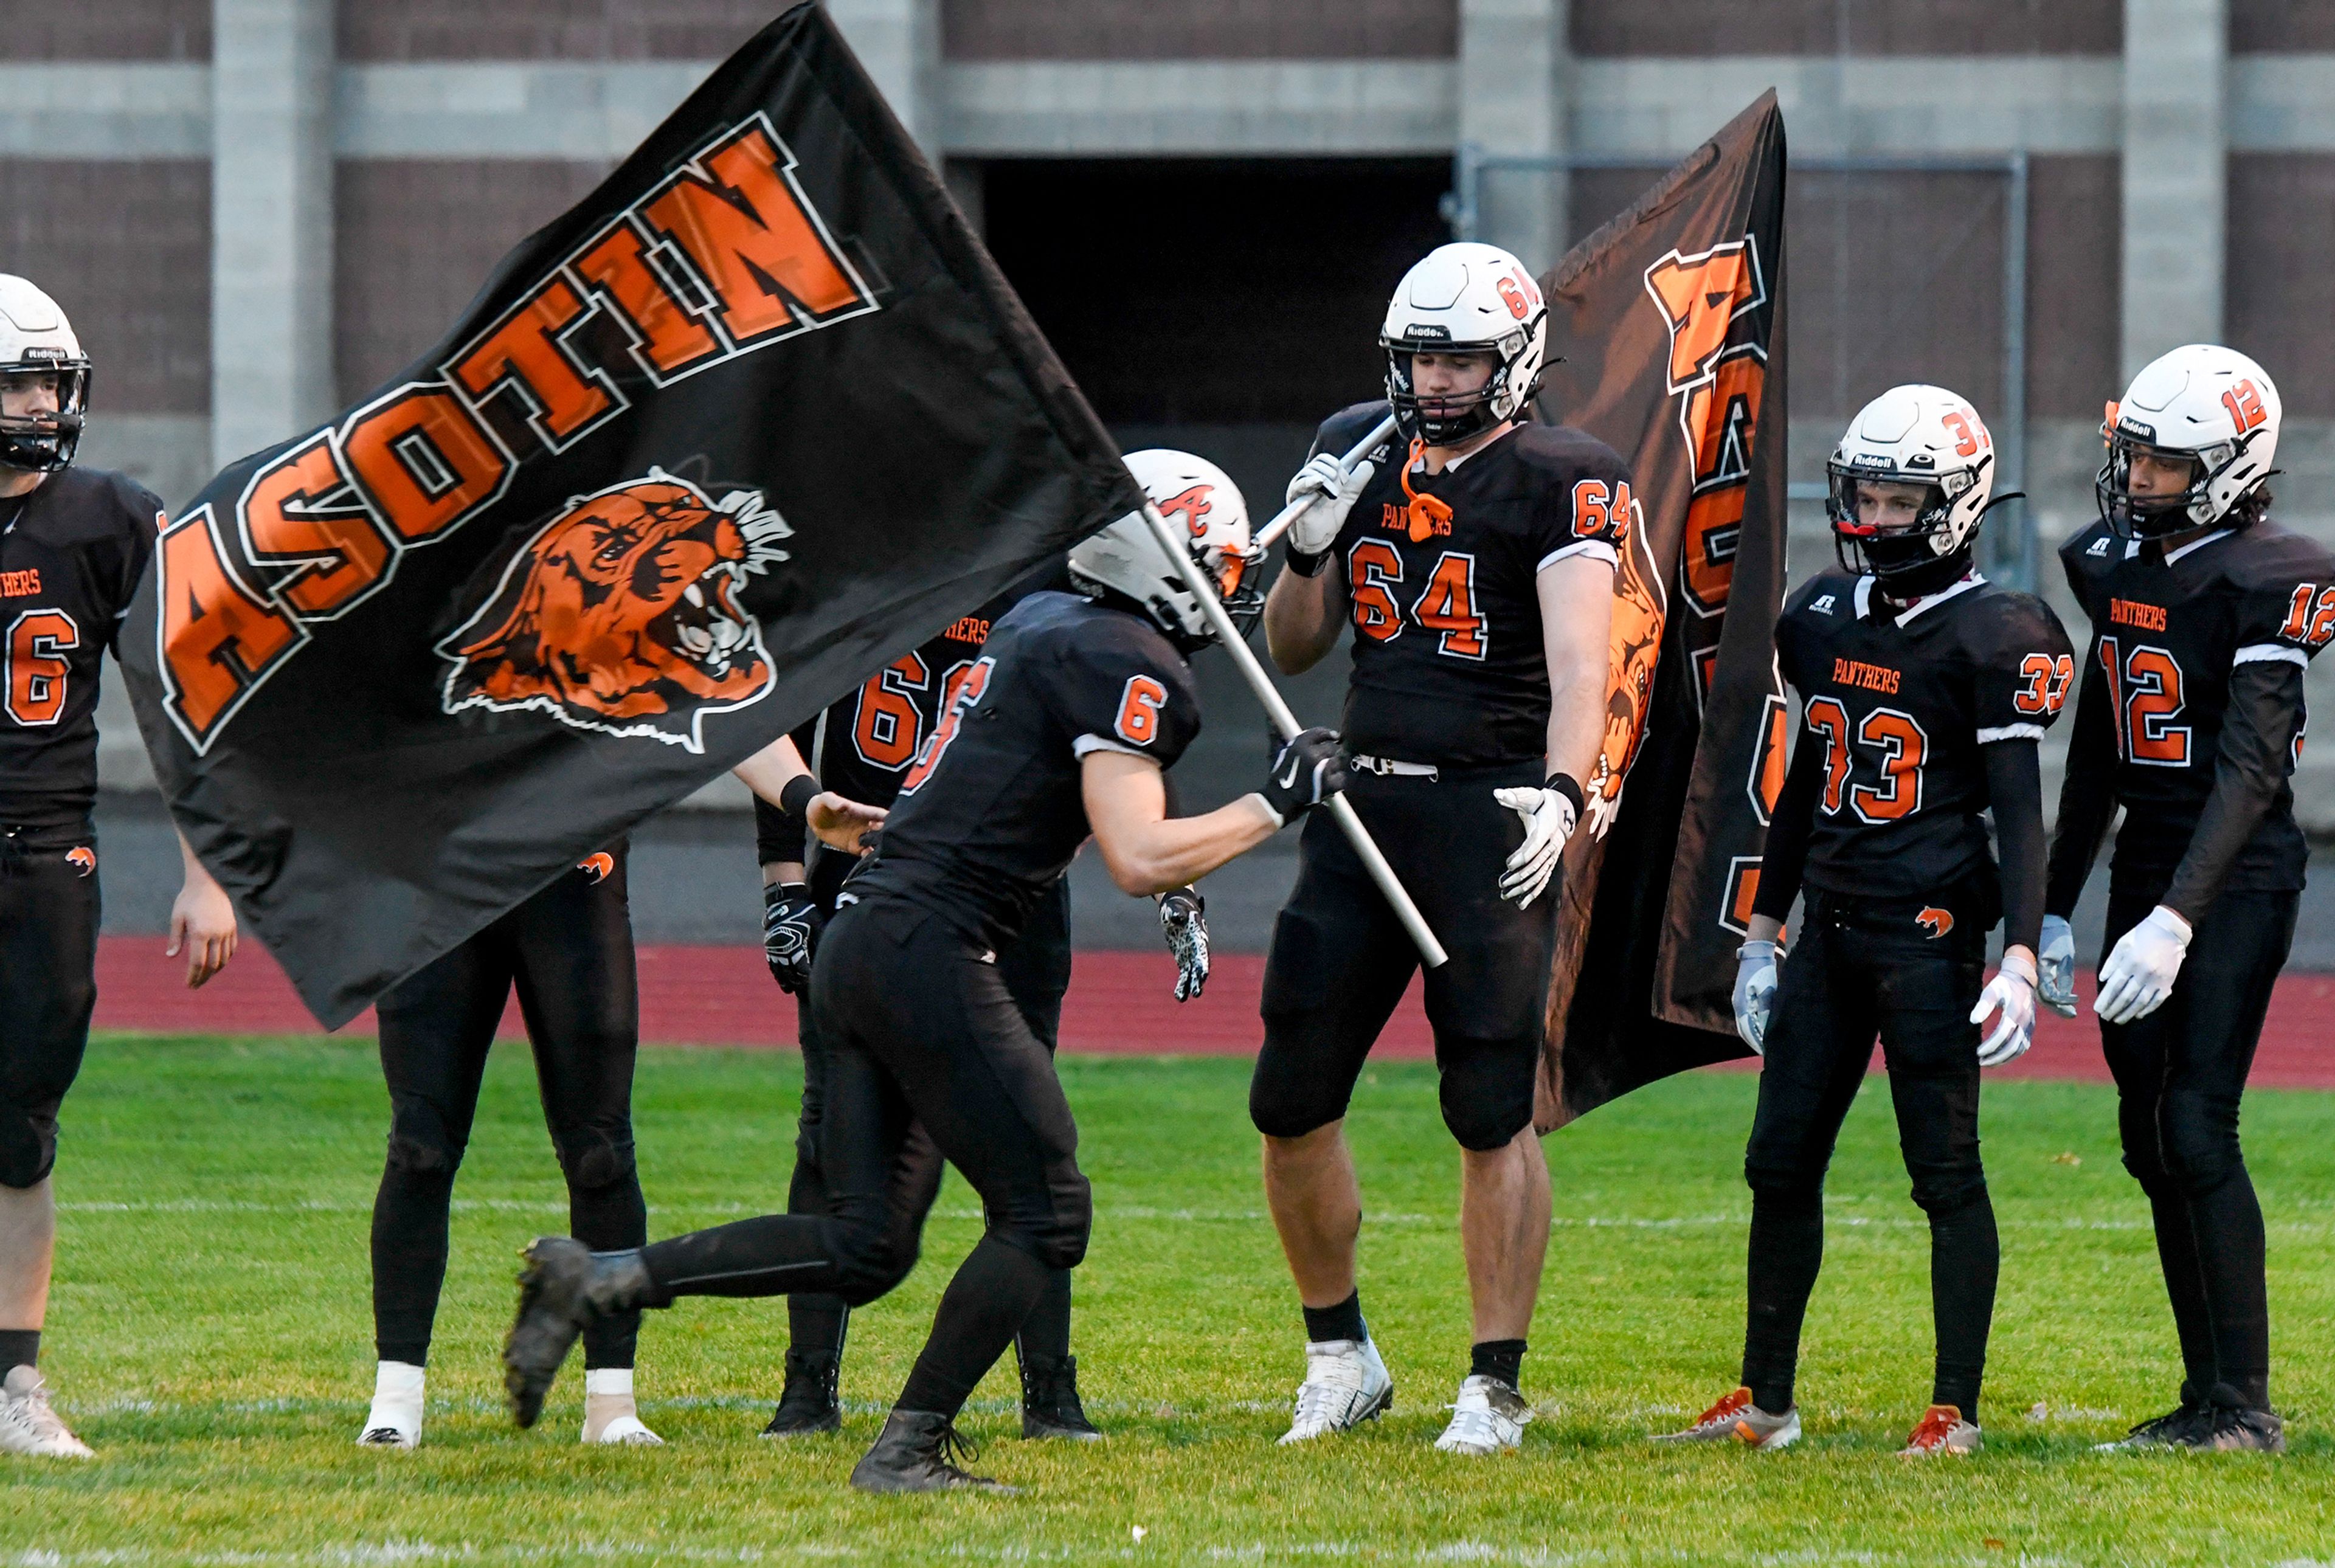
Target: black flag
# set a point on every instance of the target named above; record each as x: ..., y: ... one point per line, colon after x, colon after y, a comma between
x: 755, y: 418
x: 1671, y: 321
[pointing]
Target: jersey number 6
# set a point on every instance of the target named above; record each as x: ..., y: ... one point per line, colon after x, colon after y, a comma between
x: 1445, y: 607
x: 37, y: 674
x: 964, y: 691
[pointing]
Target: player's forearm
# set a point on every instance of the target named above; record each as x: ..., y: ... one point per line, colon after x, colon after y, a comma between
x: 196, y: 874
x: 1576, y: 617
x: 2087, y: 801
x: 2014, y: 778
x: 2256, y: 755
x: 1576, y: 724
x: 1300, y: 620
x: 1785, y: 857
x: 767, y: 771
x: 778, y: 871
x: 1163, y: 855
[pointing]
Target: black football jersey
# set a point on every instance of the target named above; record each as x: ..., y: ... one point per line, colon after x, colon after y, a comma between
x: 1449, y: 664
x: 990, y: 811
x: 2167, y: 628
x: 865, y: 742
x: 71, y: 553
x: 1901, y: 702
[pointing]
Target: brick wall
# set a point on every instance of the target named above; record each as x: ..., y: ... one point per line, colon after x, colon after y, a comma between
x: 1199, y: 29
x: 546, y: 29
x: 1849, y: 26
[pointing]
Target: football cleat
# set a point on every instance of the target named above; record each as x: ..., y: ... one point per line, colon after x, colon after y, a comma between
x: 614, y: 1418
x: 2179, y: 1427
x: 395, y: 1419
x: 27, y: 1424
x: 1488, y: 1417
x: 1049, y: 1401
x: 920, y: 1452
x: 2236, y: 1431
x: 1345, y: 1385
x: 807, y: 1404
x: 1940, y: 1430
x: 564, y: 1286
x: 1736, y: 1420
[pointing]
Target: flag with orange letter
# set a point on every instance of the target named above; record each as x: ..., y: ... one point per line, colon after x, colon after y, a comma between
x: 756, y: 417
x: 1671, y: 319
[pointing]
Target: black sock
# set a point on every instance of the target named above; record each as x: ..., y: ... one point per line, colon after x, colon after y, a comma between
x: 1787, y: 1251
x: 1342, y: 1321
x: 19, y: 1348
x: 1965, y: 1257
x: 2227, y: 1224
x: 983, y: 1308
x: 409, y: 1259
x: 2184, y: 1289
x: 1045, y: 1334
x: 609, y: 1219
x: 816, y: 1325
x: 1501, y: 1358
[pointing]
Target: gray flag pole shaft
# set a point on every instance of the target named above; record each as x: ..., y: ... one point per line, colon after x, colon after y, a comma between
x: 1288, y: 514
x: 1285, y: 724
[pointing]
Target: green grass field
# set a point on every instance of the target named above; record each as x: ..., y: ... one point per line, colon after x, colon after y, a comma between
x: 210, y: 1336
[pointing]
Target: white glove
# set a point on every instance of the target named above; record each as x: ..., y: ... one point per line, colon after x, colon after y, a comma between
x: 2139, y: 975
x: 2012, y: 990
x: 2057, y: 987
x: 1549, y: 816
x: 1333, y: 490
x: 1755, y: 992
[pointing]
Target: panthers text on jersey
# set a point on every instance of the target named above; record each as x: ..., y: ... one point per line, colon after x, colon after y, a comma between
x: 1901, y: 700
x: 71, y: 553
x: 1450, y: 667
x: 866, y: 742
x: 2168, y: 630
x: 991, y: 809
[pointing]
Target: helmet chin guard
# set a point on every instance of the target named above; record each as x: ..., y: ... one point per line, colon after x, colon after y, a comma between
x: 1465, y: 299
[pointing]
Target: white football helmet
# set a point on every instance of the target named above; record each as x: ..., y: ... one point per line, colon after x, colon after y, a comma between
x: 1201, y: 503
x: 36, y: 339
x: 1465, y: 299
x: 2209, y: 405
x: 1912, y: 435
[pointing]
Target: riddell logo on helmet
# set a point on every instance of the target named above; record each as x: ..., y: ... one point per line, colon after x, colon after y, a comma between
x: 1936, y: 921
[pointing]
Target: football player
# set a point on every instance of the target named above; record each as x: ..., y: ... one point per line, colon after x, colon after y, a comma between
x: 1062, y: 727
x: 1475, y: 563
x: 568, y: 952
x: 861, y: 748
x: 2205, y: 614
x: 1926, y: 692
x: 73, y: 543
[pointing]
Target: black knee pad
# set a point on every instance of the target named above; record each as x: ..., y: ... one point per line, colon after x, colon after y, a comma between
x: 2146, y: 1168
x: 871, y: 1259
x: 28, y: 1146
x: 420, y: 1146
x: 1287, y: 1103
x: 1052, y: 1226
x: 2199, y: 1157
x: 1784, y: 1187
x: 1487, y: 1092
x: 1942, y: 1198
x: 593, y: 1160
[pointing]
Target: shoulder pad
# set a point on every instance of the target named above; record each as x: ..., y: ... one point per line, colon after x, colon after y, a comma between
x: 1562, y: 449
x: 2269, y: 556
x: 1998, y: 618
x: 1339, y: 432
x: 1829, y: 595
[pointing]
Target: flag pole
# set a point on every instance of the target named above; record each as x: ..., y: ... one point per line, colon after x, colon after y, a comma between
x: 1285, y: 724
x: 1264, y: 536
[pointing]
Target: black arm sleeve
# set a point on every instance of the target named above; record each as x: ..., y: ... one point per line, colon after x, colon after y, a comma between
x: 2257, y: 755
x: 2087, y: 800
x: 2014, y: 782
x: 1787, y: 854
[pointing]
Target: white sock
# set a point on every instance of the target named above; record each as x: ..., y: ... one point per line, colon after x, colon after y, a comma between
x: 608, y: 1380
x: 397, y: 1399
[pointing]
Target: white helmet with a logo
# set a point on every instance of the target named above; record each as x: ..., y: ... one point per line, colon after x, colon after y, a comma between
x: 36, y: 339
x: 1465, y: 299
x: 1913, y: 435
x: 1204, y: 508
x: 2208, y: 404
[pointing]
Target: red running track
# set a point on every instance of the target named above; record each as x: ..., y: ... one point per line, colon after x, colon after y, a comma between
x: 1118, y: 1002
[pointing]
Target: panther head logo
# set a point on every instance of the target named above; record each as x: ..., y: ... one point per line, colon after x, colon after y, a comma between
x: 621, y: 615
x: 1936, y: 921
x: 1635, y: 649
x: 597, y: 866
x: 82, y: 858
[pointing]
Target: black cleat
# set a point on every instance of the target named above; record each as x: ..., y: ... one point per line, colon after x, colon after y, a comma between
x: 2179, y: 1427
x: 1049, y: 1401
x: 2237, y: 1431
x: 564, y: 1286
x: 920, y: 1452
x: 808, y: 1406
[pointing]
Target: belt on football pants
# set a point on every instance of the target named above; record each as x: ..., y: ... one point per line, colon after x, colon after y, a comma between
x: 1386, y: 768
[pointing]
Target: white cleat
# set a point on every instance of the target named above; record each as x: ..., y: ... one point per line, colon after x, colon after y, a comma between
x: 394, y: 1421
x: 625, y: 1429
x: 1345, y: 1385
x: 1488, y: 1417
x: 27, y: 1424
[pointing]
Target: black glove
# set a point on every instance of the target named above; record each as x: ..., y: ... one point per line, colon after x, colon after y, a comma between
x: 1307, y: 771
x: 1184, y: 922
x: 791, y: 922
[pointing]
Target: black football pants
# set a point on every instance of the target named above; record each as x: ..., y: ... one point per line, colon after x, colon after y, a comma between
x: 570, y: 951
x: 1340, y: 961
x: 49, y: 916
x: 1036, y: 970
x: 1859, y: 971
x: 919, y: 1028
x: 2179, y: 1074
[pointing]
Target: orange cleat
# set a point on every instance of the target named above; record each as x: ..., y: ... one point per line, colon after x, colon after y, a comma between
x: 1736, y: 1420
x: 1940, y: 1430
